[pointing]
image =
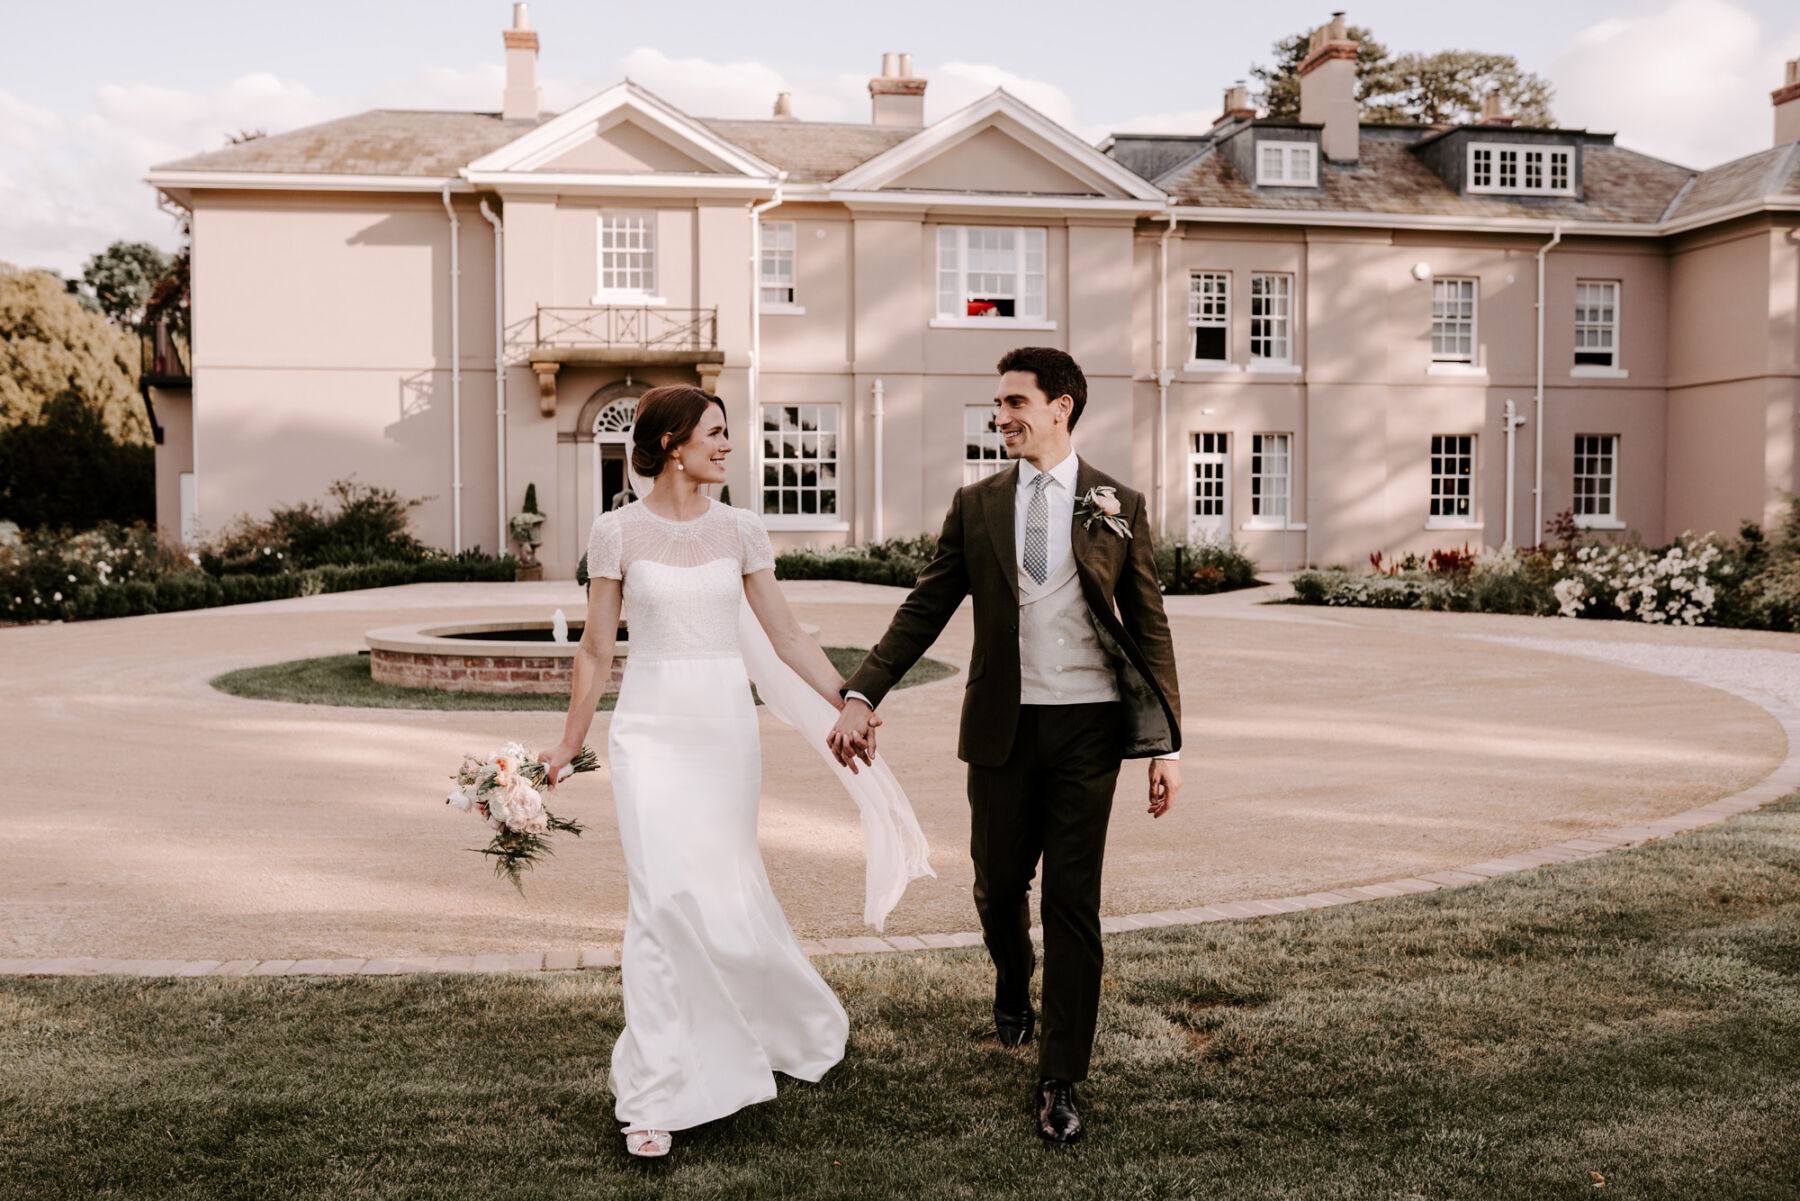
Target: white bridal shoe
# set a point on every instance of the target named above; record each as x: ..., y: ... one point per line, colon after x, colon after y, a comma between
x: 648, y: 1144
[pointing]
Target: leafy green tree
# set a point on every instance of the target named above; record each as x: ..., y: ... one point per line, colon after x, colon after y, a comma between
x: 64, y: 469
x: 122, y: 278
x: 50, y: 344
x: 1443, y: 88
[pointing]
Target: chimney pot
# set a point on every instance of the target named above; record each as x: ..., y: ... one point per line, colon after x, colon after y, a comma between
x: 521, y: 16
x: 1237, y: 106
x: 784, y: 106
x: 896, y: 98
x: 1328, y: 89
x: 1493, y: 109
x: 1787, y: 106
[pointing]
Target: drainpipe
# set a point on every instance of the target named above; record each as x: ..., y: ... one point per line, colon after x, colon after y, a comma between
x: 875, y: 421
x: 1163, y: 377
x: 1513, y: 421
x: 1537, y: 488
x: 455, y: 380
x: 755, y: 416
x: 499, y: 376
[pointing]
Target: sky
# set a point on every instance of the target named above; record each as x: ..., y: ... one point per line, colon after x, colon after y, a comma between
x: 94, y: 92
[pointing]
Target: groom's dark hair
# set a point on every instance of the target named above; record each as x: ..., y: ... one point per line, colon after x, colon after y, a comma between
x: 1057, y: 374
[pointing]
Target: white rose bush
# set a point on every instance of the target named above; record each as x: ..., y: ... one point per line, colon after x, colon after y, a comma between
x: 504, y: 790
x: 1678, y: 585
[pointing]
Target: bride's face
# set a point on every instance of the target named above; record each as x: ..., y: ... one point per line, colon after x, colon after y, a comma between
x: 702, y: 457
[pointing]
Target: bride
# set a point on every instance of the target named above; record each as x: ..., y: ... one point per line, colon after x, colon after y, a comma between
x: 718, y: 994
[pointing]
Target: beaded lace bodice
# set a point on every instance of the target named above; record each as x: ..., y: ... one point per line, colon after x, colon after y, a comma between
x: 683, y: 580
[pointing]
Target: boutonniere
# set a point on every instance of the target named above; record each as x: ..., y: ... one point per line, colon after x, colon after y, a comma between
x: 1102, y: 504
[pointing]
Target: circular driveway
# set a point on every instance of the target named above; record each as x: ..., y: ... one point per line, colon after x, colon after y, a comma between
x: 147, y: 815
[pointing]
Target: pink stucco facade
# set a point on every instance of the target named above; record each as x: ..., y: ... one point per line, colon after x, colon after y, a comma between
x: 324, y: 344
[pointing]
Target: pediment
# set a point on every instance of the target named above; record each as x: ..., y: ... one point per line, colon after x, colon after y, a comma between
x: 623, y: 145
x: 999, y: 145
x: 994, y: 160
x: 622, y: 131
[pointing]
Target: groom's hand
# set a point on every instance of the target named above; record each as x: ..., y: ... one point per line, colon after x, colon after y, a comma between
x: 1165, y: 782
x: 853, y: 737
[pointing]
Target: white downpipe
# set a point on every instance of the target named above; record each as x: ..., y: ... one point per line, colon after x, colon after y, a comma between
x: 1537, y: 487
x: 455, y: 379
x: 1513, y: 421
x: 755, y: 414
x: 499, y: 377
x: 876, y: 415
x: 1163, y: 378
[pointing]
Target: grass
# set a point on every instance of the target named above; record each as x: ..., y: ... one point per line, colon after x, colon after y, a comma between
x: 1632, y: 1019
x: 345, y: 680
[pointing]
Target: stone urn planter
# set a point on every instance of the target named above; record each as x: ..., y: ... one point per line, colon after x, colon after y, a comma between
x: 523, y: 527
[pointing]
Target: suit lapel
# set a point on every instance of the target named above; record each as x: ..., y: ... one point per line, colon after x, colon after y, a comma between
x: 998, y: 500
x: 1083, y: 542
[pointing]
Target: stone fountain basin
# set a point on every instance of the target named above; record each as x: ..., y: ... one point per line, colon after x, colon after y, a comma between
x: 477, y: 656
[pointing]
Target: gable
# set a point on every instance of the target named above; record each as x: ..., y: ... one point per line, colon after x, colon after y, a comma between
x: 624, y: 146
x: 992, y: 160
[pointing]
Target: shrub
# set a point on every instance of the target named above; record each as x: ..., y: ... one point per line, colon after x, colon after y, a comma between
x: 65, y: 469
x: 1771, y: 599
x: 1202, y: 567
x: 896, y: 561
x: 364, y: 524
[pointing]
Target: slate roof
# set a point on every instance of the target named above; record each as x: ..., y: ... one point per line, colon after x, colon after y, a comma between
x: 810, y: 151
x: 1617, y: 184
x: 383, y: 141
x: 1765, y: 173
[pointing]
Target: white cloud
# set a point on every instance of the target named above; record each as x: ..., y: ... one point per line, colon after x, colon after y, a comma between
x: 1688, y: 82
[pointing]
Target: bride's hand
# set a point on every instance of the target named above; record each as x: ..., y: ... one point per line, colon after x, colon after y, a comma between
x: 554, y: 760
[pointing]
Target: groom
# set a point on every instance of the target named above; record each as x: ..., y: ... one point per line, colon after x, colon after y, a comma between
x: 1072, y: 671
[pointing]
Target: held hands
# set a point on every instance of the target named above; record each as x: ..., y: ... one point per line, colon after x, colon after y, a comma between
x: 554, y: 760
x: 853, y: 737
x: 1165, y: 782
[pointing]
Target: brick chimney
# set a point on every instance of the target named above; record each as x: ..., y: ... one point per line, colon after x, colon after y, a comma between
x: 1328, y: 88
x: 1493, y: 109
x: 1237, y: 106
x: 897, y: 98
x: 523, y: 97
x: 1787, y: 106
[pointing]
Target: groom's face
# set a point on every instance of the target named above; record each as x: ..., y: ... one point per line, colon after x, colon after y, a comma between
x: 1029, y: 423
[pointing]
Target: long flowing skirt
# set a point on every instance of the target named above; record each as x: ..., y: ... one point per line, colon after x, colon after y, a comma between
x: 718, y: 994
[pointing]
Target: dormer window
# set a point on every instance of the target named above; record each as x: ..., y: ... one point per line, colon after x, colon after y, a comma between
x: 1514, y: 169
x: 1287, y: 164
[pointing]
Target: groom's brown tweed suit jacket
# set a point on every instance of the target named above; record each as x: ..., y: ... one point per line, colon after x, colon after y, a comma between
x: 976, y: 556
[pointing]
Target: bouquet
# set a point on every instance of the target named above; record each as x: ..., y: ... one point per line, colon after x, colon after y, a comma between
x: 502, y: 790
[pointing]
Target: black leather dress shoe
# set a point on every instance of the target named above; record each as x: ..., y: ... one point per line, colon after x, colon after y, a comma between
x: 1014, y: 1029
x: 1058, y: 1121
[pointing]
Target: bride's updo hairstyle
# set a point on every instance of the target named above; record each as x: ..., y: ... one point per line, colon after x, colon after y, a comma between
x: 673, y: 410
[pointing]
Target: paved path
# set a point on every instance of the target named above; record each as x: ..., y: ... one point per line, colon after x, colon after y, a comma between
x: 1335, y: 755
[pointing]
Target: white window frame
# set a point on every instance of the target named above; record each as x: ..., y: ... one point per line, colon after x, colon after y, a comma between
x: 1607, y: 301
x: 1520, y: 169
x: 1453, y: 489
x: 1271, y: 507
x: 1442, y: 320
x: 1027, y: 284
x: 776, y: 273
x: 1284, y: 164
x: 625, y: 295
x: 1209, y: 307
x: 1207, y: 449
x: 1592, y: 452
x: 773, y: 445
x: 984, y: 450
x: 1271, y: 302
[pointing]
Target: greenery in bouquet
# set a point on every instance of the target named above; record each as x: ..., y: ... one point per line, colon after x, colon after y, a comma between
x: 505, y: 790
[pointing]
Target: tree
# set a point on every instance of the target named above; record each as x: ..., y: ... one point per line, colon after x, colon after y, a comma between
x: 1443, y: 88
x: 49, y: 345
x: 122, y: 277
x: 64, y: 469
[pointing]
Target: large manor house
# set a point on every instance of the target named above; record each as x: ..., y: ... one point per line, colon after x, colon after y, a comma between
x: 1320, y: 337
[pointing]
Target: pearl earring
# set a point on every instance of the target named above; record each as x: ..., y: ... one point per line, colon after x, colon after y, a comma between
x: 680, y: 466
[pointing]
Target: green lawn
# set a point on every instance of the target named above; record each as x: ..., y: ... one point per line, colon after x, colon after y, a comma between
x: 1635, y: 1016
x: 345, y: 680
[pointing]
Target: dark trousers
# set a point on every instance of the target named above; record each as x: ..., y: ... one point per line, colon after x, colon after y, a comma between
x: 1051, y: 800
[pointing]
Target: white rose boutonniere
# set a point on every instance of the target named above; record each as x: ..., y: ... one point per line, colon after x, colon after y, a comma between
x: 1102, y: 505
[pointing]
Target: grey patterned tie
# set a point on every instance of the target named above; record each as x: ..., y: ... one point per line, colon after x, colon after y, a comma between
x: 1037, y: 530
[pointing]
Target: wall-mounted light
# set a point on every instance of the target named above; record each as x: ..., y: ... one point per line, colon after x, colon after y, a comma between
x: 1421, y: 271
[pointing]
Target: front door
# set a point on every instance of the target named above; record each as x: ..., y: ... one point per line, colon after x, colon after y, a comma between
x: 1209, y: 487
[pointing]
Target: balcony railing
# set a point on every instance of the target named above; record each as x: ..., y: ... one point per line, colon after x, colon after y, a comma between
x: 622, y: 327
x: 164, y: 354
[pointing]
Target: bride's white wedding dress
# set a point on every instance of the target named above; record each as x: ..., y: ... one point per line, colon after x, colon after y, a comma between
x: 718, y: 994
